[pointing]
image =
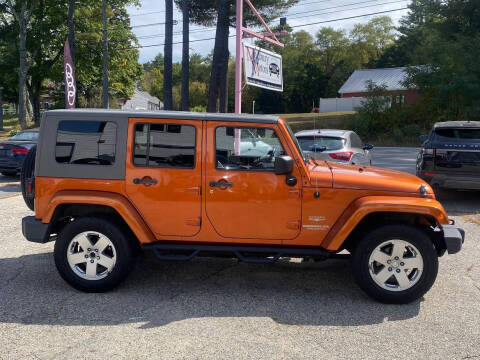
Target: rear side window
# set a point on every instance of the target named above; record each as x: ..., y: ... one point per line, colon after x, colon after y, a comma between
x: 165, y: 145
x: 356, y: 141
x: 457, y: 134
x: 86, y: 142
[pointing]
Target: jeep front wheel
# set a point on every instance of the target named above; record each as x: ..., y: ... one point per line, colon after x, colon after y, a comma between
x: 93, y: 254
x: 395, y: 264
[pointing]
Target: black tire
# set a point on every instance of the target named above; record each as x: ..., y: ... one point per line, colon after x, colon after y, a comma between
x: 9, y: 173
x: 27, y: 178
x: 417, y: 238
x: 124, y: 248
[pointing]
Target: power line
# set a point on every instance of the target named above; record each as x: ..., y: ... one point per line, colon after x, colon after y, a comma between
x: 208, y: 29
x: 163, y: 11
x: 288, y: 14
x: 295, y: 26
x: 350, y: 17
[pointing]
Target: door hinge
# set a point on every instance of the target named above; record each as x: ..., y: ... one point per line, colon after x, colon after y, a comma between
x: 194, y: 221
x: 295, y: 193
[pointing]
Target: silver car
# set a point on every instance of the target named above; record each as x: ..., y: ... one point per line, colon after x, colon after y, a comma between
x: 343, y: 146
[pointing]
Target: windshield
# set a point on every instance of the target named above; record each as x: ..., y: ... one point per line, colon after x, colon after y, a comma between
x: 310, y: 143
x: 28, y: 135
x: 295, y: 141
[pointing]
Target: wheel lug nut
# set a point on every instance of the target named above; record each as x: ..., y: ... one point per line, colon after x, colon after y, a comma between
x: 91, y: 261
x: 389, y: 261
x: 86, y: 256
x: 401, y: 264
x: 89, y: 249
x: 389, y: 269
x: 98, y: 257
x: 396, y: 257
x: 96, y: 250
x: 398, y: 270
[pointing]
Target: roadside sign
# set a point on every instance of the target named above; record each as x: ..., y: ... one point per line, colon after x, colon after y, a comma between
x: 263, y: 68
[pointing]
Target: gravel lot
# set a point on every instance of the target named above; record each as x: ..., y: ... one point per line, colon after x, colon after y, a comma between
x: 215, y: 308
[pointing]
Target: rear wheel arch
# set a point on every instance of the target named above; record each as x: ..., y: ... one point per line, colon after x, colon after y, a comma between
x: 67, y: 212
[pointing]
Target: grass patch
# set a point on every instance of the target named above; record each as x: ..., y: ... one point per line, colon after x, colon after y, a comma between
x: 335, y: 120
x: 10, y: 122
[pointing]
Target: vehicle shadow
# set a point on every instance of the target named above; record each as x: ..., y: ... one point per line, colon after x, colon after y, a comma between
x: 158, y: 293
x: 458, y: 203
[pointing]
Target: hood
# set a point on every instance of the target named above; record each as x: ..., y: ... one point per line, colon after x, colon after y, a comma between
x: 346, y: 176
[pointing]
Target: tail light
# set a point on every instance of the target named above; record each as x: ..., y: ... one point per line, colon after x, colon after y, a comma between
x: 19, y: 151
x: 344, y: 156
x: 428, y: 151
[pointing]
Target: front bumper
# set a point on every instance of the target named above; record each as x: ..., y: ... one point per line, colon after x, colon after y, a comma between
x: 34, y: 230
x: 453, y: 237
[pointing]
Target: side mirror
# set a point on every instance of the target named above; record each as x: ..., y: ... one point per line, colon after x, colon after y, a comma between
x: 283, y: 165
x: 423, y: 138
x: 367, y: 147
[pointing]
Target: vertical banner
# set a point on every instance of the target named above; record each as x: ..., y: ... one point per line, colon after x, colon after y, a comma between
x: 70, y: 84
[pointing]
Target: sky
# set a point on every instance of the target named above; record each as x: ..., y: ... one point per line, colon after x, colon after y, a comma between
x: 305, y: 12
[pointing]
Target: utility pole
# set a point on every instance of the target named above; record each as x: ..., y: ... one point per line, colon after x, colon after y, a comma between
x: 268, y: 36
x: 105, y: 56
x: 186, y: 56
x: 167, y: 57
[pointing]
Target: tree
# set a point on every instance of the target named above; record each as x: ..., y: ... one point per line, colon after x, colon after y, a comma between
x: 217, y: 101
x: 370, y: 40
x: 445, y: 38
x: 167, y: 67
x: 185, y: 55
x: 105, y: 55
x: 71, y: 28
x: 22, y: 12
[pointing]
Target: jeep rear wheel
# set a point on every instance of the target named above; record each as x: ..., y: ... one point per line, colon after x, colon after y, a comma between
x: 395, y: 264
x: 93, y: 254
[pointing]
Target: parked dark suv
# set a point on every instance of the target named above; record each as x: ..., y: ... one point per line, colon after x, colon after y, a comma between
x: 450, y: 155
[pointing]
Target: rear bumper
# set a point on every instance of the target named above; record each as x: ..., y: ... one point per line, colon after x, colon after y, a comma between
x: 452, y: 180
x: 34, y: 230
x: 453, y: 237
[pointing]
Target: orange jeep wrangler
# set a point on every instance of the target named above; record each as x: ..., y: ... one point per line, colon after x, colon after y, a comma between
x: 107, y: 183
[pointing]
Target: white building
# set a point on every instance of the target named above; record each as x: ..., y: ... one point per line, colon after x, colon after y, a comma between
x: 141, y: 100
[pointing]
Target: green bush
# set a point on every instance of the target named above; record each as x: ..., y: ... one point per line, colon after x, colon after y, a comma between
x: 199, y: 108
x: 13, y: 132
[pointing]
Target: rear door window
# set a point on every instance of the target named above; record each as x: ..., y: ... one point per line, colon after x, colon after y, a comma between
x: 164, y: 145
x: 86, y: 142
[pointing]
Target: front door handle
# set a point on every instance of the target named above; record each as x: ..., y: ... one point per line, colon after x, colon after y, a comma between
x: 221, y: 184
x: 147, y: 181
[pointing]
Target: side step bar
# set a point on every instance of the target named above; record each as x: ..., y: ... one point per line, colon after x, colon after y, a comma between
x: 251, y: 254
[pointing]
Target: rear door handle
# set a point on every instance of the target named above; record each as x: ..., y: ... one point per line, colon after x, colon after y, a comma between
x: 220, y: 184
x: 145, y: 181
